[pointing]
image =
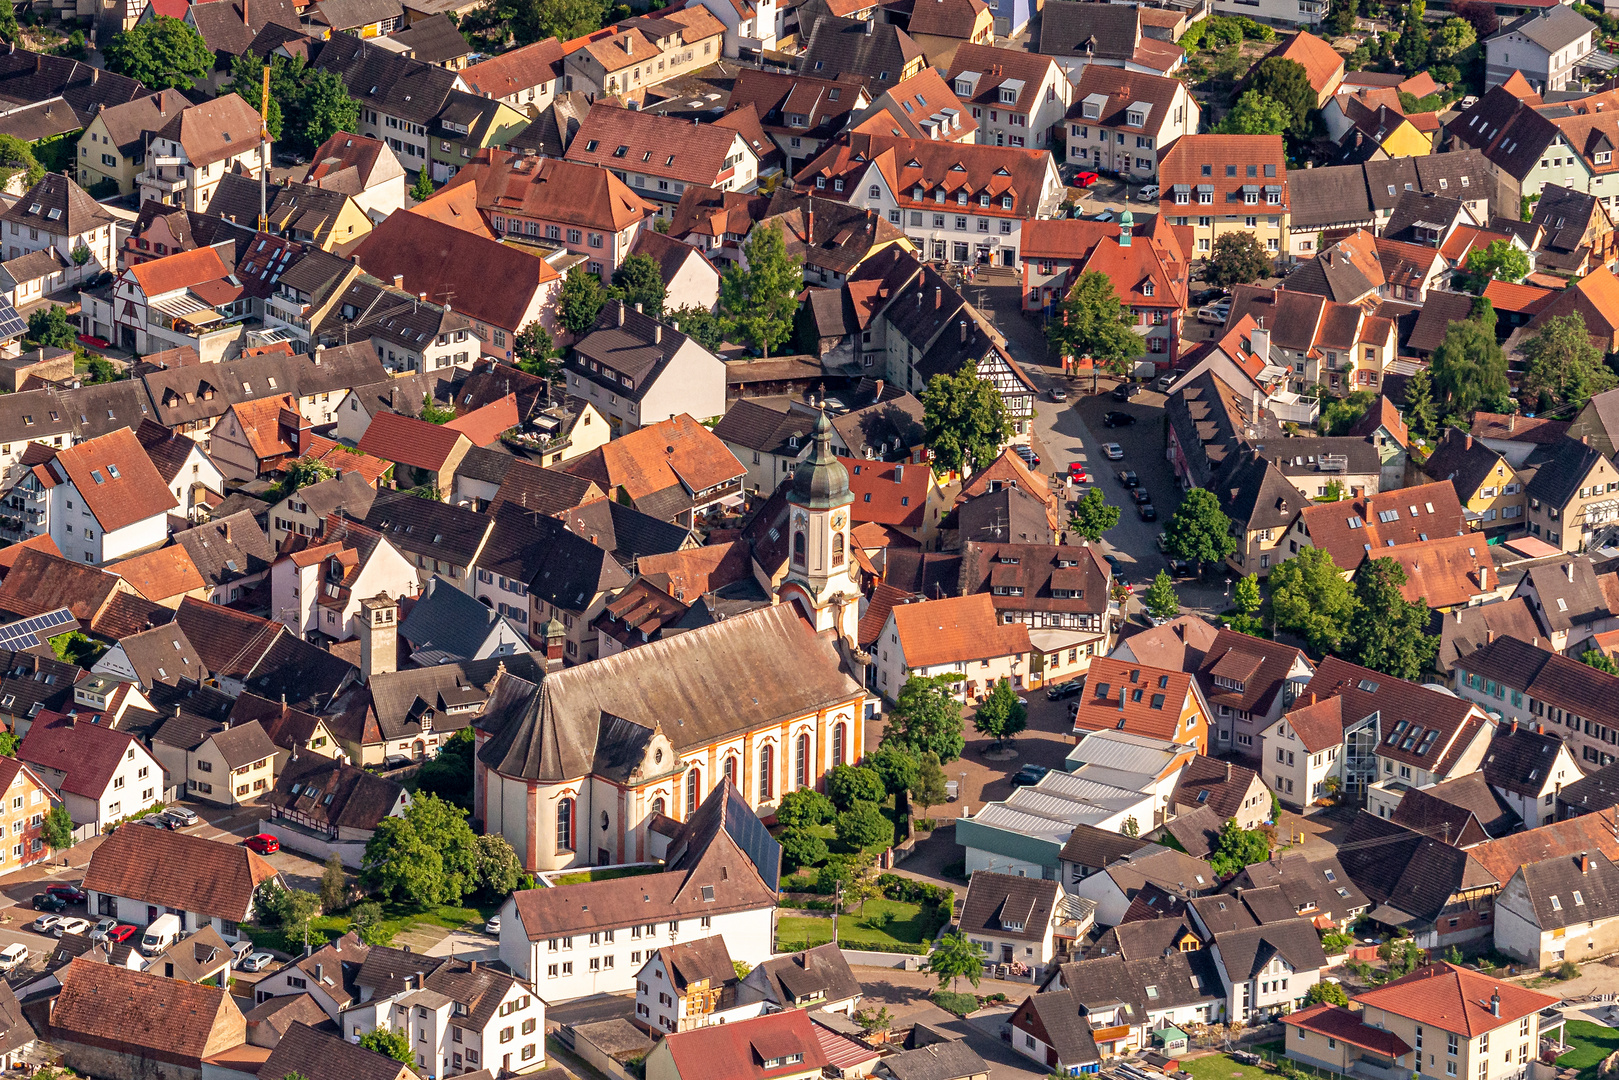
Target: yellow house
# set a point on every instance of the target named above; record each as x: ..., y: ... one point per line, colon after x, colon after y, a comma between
x: 216, y: 764
x: 1488, y: 487
x: 309, y: 215
x: 113, y: 145
x: 1369, y: 116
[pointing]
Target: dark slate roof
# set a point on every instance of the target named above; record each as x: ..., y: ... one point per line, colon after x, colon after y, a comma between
x: 1428, y: 207
x: 229, y: 548
x: 1469, y: 628
x: 631, y: 348
x: 27, y: 77
x: 625, y: 532
x: 1562, y: 470
x: 1068, y: 1029
x: 1570, y: 592
x: 1219, y: 785
x: 1181, y: 979
x: 1556, y: 680
x: 1007, y: 516
x: 1099, y: 848
x: 821, y: 972
x: 338, y: 794
x: 446, y: 622
x: 1572, y: 889
x: 1311, y: 887
x: 1196, y: 832
x: 488, y: 466
x: 755, y: 426
x: 1461, y: 812
x: 1411, y: 876
x: 1245, y: 953
x: 1439, y: 310
x: 879, y: 52
x: 950, y: 1060
x: 1335, y: 195
x: 426, y: 528
x: 1103, y: 31
x: 1009, y: 906
x: 561, y: 568
x: 1520, y: 759
x: 1592, y: 794
x: 1463, y: 460
x: 1258, y: 495
x: 308, y: 1052
x: 385, y: 81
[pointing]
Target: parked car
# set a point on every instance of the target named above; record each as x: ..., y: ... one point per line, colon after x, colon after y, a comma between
x: 45, y: 923
x: 122, y: 932
x: 1167, y: 380
x: 102, y: 928
x: 1117, y: 419
x: 1113, y: 451
x: 71, y: 893
x: 395, y: 761
x: 12, y: 956
x: 1163, y: 545
x: 1059, y: 394
x: 492, y: 927
x: 1126, y: 390
x: 1029, y: 774
x: 1105, y: 215
x: 1148, y: 193
x: 1077, y: 473
x: 1146, y: 512
x: 1140, y: 495
x: 1128, y: 478
x: 263, y: 843
x: 1205, y: 296
x: 256, y: 962
x: 1030, y: 458
x: 1065, y: 690
x: 1085, y: 179
x: 1181, y: 567
x: 70, y: 926
x: 46, y: 902
x: 183, y: 815
x: 157, y: 821
x: 1214, y: 313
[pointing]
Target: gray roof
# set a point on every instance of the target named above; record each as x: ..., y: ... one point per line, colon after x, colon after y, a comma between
x: 1293, y: 457
x: 1563, y: 893
x: 1258, y: 495
x: 1469, y: 628
x: 1102, y: 31
x: 433, y: 39
x: 163, y: 654
x: 386, y: 81
x: 1335, y: 195
x: 951, y: 1060
x: 351, y: 14
x: 1099, y: 848
x: 1508, y: 132
x: 821, y: 973
x: 877, y: 51
x: 308, y: 1052
x: 336, y: 793
x: 1463, y: 460
x: 1439, y: 310
x: 428, y: 528
x: 632, y: 348
x: 449, y: 624
x: 1245, y: 953
x: 229, y: 548
x: 1009, y: 906
x: 1562, y: 470
x: 1594, y: 793
x: 1196, y: 832
x: 1311, y: 887
x: 1570, y: 593
x: 756, y: 426
x: 1179, y: 979
x: 348, y: 492
x: 1551, y: 28
x: 1427, y: 207
x: 1069, y: 1030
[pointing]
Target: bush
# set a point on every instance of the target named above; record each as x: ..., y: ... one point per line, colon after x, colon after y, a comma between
x: 850, y: 784
x: 863, y: 825
x: 960, y: 1004
x: 803, y: 808
x: 1567, y: 970
x: 801, y: 848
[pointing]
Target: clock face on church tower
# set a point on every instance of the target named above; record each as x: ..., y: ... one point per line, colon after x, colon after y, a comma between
x: 838, y: 521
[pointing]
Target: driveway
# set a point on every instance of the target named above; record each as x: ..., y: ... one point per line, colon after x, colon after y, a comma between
x: 905, y: 995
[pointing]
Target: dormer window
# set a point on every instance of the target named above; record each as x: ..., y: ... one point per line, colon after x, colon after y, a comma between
x: 1251, y: 198
x: 1006, y: 202
x: 1274, y: 198
x: 1205, y: 198
x: 961, y: 198
x: 983, y: 200
x: 1135, y: 119
x: 1008, y: 97
x: 1602, y: 157
x: 916, y: 193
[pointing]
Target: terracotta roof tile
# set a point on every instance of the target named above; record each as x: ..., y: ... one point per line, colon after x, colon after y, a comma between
x: 1321, y: 62
x: 507, y: 74
x: 550, y: 189
x: 144, y: 1014
x: 161, y: 574
x: 889, y: 493
x: 1227, y: 160
x: 484, y: 426
x: 178, y: 271
x: 1337, y: 1022
x: 1147, y: 700
x: 178, y: 871
x: 409, y: 441
x: 1455, y: 999
x: 958, y: 628
x: 87, y: 753
x: 1355, y: 529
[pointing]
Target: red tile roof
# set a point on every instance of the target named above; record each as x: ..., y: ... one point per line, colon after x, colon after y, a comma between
x: 160, y: 574
x: 1146, y: 699
x: 1337, y: 1022
x: 178, y: 870
x: 260, y: 421
x: 178, y: 271
x: 1228, y: 158
x: 666, y: 454
x: 1455, y: 999
x: 8, y: 555
x: 738, y: 1051
x: 86, y: 753
x: 409, y: 441
x: 1320, y: 61
x: 888, y: 493
x: 116, y: 478
x: 1353, y: 529
x: 1527, y: 299
x: 507, y: 74
x: 953, y: 168
x: 659, y: 145
x: 1443, y: 571
x: 1530, y: 429
x: 484, y: 425
x: 956, y: 629
x: 551, y: 190
x: 1318, y: 724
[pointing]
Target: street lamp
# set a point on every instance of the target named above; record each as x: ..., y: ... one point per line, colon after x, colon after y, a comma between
x: 1228, y: 588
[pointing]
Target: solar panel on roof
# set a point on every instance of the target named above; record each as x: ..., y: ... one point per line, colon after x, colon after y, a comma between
x: 24, y: 633
x: 755, y: 840
x: 11, y: 324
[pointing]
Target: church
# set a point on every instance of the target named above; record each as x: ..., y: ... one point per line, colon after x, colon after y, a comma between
x: 603, y: 750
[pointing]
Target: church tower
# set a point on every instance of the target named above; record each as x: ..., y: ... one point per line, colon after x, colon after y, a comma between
x: 820, y: 570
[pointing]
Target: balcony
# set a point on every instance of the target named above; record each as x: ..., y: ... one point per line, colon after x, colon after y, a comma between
x: 157, y: 182
x: 1289, y: 407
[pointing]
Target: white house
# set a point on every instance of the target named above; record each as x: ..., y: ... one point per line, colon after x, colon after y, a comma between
x: 320, y: 587
x: 689, y: 985
x: 1302, y: 750
x: 1562, y: 908
x: 103, y: 774
x: 190, y: 155
x: 320, y: 975
x: 58, y: 215
x: 98, y: 501
x: 955, y: 635
x: 1120, y: 119
x: 1013, y: 919
x: 1268, y: 967
x: 639, y: 371
x: 1546, y: 45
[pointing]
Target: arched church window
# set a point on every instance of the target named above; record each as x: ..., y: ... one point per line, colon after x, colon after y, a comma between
x: 800, y: 549
x: 801, y: 762
x: 837, y: 549
x: 767, y: 759
x: 565, y: 825
x: 839, y: 732
x: 693, y: 782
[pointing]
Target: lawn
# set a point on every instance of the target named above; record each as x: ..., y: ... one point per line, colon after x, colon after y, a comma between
x: 1221, y: 1067
x: 880, y: 925
x: 608, y: 874
x: 1592, y: 1043
x: 395, y: 918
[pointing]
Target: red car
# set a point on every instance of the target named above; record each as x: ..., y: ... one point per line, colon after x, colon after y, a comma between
x: 1077, y: 473
x: 1085, y: 179
x: 121, y: 933
x: 263, y: 843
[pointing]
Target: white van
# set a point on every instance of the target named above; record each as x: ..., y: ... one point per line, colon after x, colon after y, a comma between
x: 12, y: 956
x: 160, y: 935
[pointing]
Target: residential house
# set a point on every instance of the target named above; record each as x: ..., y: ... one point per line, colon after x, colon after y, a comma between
x: 322, y: 586
x: 142, y: 1034
x: 1545, y: 46
x: 424, y: 454
x: 183, y: 300
x: 57, y: 216
x: 1568, y: 503
x: 1365, y: 268
x: 1262, y: 502
x: 1240, y: 179
x: 1302, y: 752
x: 940, y: 30
x: 1060, y: 592
x: 800, y: 113
x: 1318, y: 890
x: 1466, y: 629
x: 712, y: 888
x: 1341, y: 346
x: 679, y: 484
x: 691, y: 984
x: 1121, y: 118
x: 1079, y: 37
x: 447, y: 623
x: 163, y: 575
x: 224, y: 765
x: 1321, y: 62
x: 639, y: 371
x: 1351, y: 529
x: 1576, y: 229
x: 318, y: 217
x: 159, y: 655
x: 1231, y: 792
x: 112, y: 145
x: 325, y: 975
x: 1462, y: 812
x: 304, y: 1049
x: 1268, y: 969
x: 636, y: 148
x: 961, y: 202
x: 346, y: 161
x: 1596, y: 423
x: 1017, y: 98
x: 1487, y: 486
x: 443, y: 540
x: 1013, y: 919
x: 1530, y: 686
x: 256, y: 438
x: 1528, y: 768
x: 641, y: 53
x: 1249, y: 683
x: 1364, y: 126
x: 231, y: 555
x: 955, y: 634
x: 1118, y: 1003
x: 781, y: 1045
x: 1595, y: 298
x: 1143, y: 700
x: 1365, y: 195
x: 588, y: 211
x: 138, y: 874
x: 1162, y: 875
x: 103, y: 774
x: 187, y: 469
x: 817, y: 979
x: 1331, y: 1036
x: 879, y: 51
x: 770, y: 443
x: 526, y: 78
x: 689, y: 278
x: 191, y: 153
x: 29, y: 795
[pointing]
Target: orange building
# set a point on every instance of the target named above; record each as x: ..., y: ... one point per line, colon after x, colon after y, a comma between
x: 28, y: 798
x: 1157, y: 703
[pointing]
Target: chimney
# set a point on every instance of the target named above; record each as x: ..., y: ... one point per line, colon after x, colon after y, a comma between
x: 657, y: 332
x: 1512, y: 729
x: 1257, y: 400
x: 224, y: 530
x: 1468, y: 444
x: 320, y: 970
x: 963, y: 325
x: 1512, y: 423
x: 621, y: 313
x: 1585, y: 863
x: 809, y: 222
x: 399, y: 281
x: 878, y: 396
x: 1568, y: 571
x: 638, y: 307
x: 1228, y: 770
x: 1495, y: 1002
x: 472, y: 967
x: 869, y: 24
x: 938, y: 297
x: 629, y: 50
x: 1489, y: 639
x: 1483, y: 578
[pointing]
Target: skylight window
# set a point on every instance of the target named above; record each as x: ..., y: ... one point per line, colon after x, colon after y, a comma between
x: 95, y: 474
x: 112, y: 470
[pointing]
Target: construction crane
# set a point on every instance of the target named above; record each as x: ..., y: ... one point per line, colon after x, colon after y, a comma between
x: 264, y: 152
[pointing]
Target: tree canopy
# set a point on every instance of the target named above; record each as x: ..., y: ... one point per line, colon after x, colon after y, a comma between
x: 1237, y: 848
x: 16, y: 157
x: 964, y: 420
x: 1092, y: 515
x: 535, y: 20
x: 1091, y: 322
x: 1388, y: 632
x: 639, y: 281
x: 1001, y: 715
x: 1469, y: 370
x: 1199, y: 531
x: 1254, y: 114
x: 1237, y: 259
x: 1161, y: 600
x: 1563, y: 366
x: 428, y: 856
x: 1499, y: 261
x: 1309, y: 597
x: 759, y: 302
x: 1286, y: 82
x: 581, y: 300
x: 163, y: 54
x: 927, y: 717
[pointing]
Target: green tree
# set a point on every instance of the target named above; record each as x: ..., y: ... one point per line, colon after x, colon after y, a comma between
x: 804, y: 808
x: 322, y: 106
x: 1199, y: 531
x: 9, y: 743
x: 849, y: 785
x: 1001, y: 716
x: 334, y: 884
x: 366, y: 918
x: 499, y: 869
x: 1412, y: 48
x: 1091, y: 322
x: 1330, y: 993
x: 1236, y: 848
x: 927, y: 717
x: 302, y: 473
x: 964, y: 420
x: 389, y: 1043
x: 428, y: 856
x: 1309, y: 597
x: 535, y: 20
x: 448, y: 774
x: 535, y: 351
x: 1389, y: 633
x: 289, y: 909
x: 49, y: 326
x: 1563, y: 365
x: 1288, y: 84
x: 954, y: 957
x: 247, y: 82
x: 1254, y: 114
x: 1237, y: 259
x: 1245, y: 597
x: 898, y: 767
x: 98, y: 369
x: 1500, y: 261
x: 929, y: 790
x: 1468, y: 369
x: 1160, y: 600
x: 874, y: 1023
x: 759, y: 302
x: 58, y: 833
x: 863, y: 825
x: 639, y: 281
x: 16, y: 157
x: 801, y: 848
x: 581, y: 300
x: 1453, y: 37
x: 1343, y: 413
x: 1420, y: 416
x: 1130, y: 828
x: 1590, y: 657
x: 163, y: 54
x: 1341, y: 17
x: 432, y: 414
x: 701, y: 325
x: 1092, y: 516
x: 8, y: 21
x: 422, y: 189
